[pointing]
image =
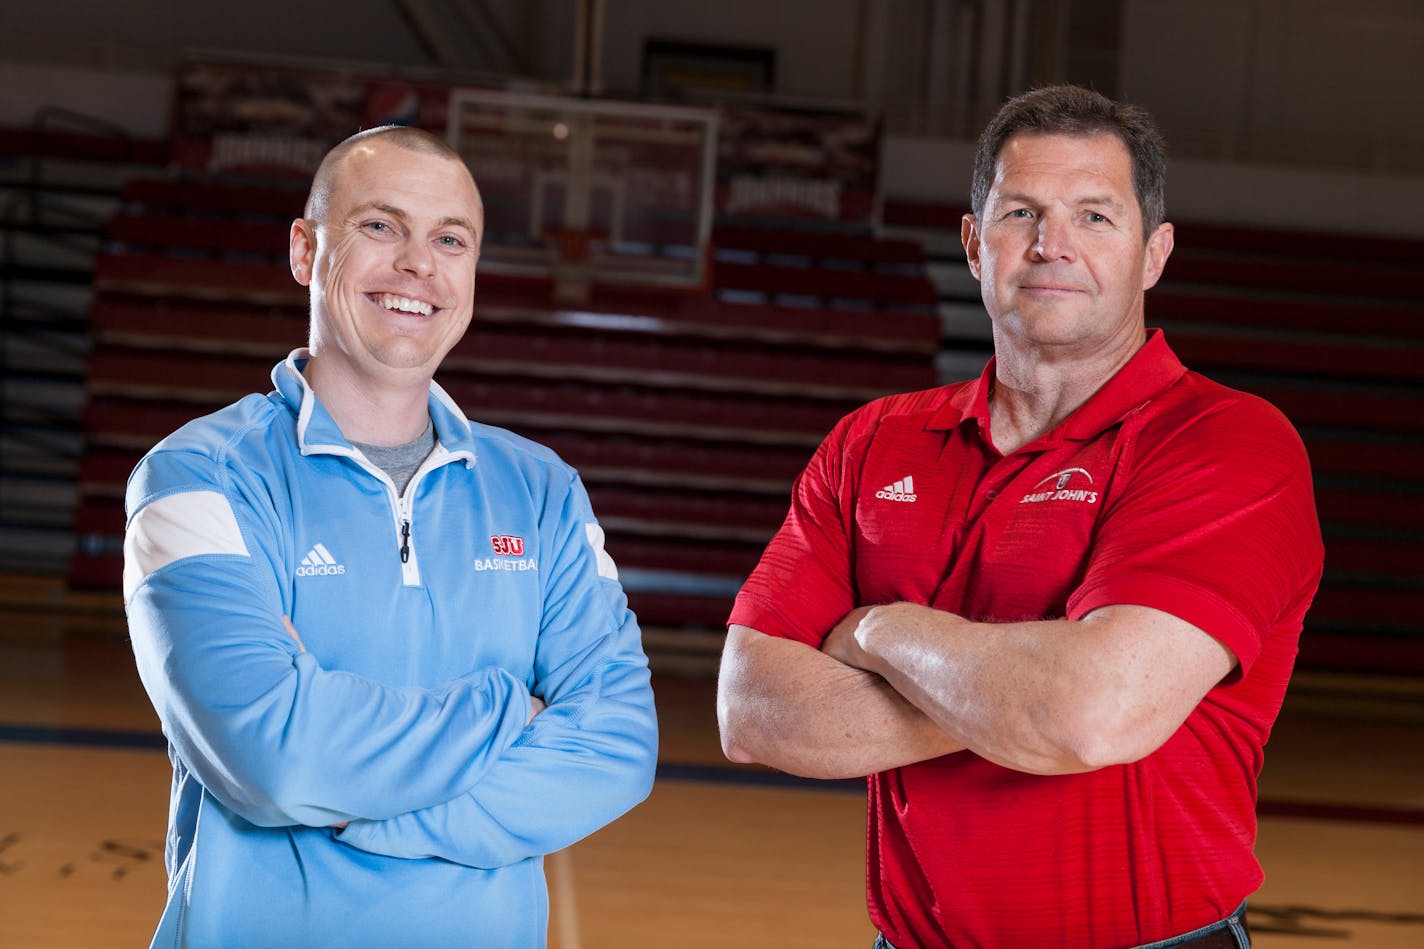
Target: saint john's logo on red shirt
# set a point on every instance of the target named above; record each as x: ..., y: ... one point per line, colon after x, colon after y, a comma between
x: 1071, y: 484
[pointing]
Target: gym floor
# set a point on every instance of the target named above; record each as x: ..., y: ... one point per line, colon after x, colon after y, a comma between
x: 719, y: 854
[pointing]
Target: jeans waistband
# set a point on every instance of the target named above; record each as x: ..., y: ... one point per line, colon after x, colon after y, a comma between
x: 1228, y: 933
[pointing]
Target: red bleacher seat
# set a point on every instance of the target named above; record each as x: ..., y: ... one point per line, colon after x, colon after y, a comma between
x: 216, y: 197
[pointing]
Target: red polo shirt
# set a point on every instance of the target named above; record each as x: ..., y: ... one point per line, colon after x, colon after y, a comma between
x: 1165, y: 490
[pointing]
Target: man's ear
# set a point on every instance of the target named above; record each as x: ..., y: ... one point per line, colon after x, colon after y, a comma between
x: 301, y: 250
x: 1159, y: 248
x: 969, y: 237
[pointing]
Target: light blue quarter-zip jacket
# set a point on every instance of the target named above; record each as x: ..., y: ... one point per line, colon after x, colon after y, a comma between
x: 425, y: 622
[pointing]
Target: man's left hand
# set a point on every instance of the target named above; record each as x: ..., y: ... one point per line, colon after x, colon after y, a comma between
x: 841, y: 643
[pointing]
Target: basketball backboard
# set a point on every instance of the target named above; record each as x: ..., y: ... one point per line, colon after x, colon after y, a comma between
x: 596, y: 191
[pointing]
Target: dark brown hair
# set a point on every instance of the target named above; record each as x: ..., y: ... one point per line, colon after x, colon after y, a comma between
x: 1073, y: 110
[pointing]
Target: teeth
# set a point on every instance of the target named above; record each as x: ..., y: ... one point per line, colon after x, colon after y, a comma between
x: 406, y: 305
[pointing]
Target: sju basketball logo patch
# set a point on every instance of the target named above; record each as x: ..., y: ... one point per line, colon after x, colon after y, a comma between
x: 507, y: 545
x: 508, y: 550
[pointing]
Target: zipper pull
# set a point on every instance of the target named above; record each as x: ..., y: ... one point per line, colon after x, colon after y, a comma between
x: 405, y: 541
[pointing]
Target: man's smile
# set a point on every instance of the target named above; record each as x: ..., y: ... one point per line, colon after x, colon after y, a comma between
x: 401, y: 304
x: 1050, y: 289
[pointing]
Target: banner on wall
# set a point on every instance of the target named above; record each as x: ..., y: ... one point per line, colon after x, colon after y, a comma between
x: 798, y: 164
x: 260, y: 120
x: 277, y: 121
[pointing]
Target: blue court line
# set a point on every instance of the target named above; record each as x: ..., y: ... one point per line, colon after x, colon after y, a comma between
x: 82, y: 737
x: 154, y: 741
x: 703, y: 774
x: 755, y: 777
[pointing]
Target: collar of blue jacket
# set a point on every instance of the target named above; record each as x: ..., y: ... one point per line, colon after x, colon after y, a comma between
x: 318, y: 434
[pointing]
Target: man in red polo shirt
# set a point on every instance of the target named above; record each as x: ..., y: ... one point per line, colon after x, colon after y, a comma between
x: 1050, y: 612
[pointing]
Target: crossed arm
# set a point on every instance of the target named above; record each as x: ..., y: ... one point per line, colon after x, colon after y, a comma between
x: 582, y: 761
x: 782, y: 703
x: 901, y: 683
x: 536, y: 704
x: 589, y: 748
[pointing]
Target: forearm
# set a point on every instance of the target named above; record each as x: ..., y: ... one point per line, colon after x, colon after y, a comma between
x: 574, y: 769
x: 784, y: 704
x: 1050, y: 696
x: 582, y: 761
x: 1006, y: 710
x: 281, y: 740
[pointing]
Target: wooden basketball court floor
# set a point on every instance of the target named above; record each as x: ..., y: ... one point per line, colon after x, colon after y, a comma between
x: 719, y: 855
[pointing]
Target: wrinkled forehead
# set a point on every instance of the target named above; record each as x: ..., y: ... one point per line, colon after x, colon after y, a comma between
x: 1095, y: 161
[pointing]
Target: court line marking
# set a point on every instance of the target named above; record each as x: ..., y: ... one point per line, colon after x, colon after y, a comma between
x: 67, y: 736
x: 563, y: 899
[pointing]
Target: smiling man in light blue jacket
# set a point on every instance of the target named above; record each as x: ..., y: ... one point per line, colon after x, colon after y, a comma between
x: 392, y: 659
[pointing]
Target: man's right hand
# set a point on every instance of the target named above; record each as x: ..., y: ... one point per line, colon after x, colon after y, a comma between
x: 536, y: 705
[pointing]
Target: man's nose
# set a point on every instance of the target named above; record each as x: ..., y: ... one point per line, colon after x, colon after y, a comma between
x: 416, y: 257
x: 1054, y: 238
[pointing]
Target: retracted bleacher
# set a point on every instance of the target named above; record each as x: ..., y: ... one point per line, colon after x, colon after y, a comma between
x: 1329, y: 328
x: 687, y: 413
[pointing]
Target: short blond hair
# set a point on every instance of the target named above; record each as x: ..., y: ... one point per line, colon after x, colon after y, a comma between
x: 401, y: 136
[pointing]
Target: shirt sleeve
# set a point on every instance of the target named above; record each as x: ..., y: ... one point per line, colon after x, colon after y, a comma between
x: 264, y: 728
x: 1216, y: 524
x: 803, y: 584
x: 586, y: 759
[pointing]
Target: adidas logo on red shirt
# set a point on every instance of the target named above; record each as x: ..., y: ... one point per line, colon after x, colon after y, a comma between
x: 899, y: 491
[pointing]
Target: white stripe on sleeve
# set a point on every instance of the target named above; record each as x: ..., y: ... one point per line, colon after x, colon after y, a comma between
x: 172, y: 528
x: 607, y: 569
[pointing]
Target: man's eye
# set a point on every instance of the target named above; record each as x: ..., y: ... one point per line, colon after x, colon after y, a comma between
x: 449, y: 240
x: 377, y: 227
x: 1021, y: 213
x: 1095, y: 218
